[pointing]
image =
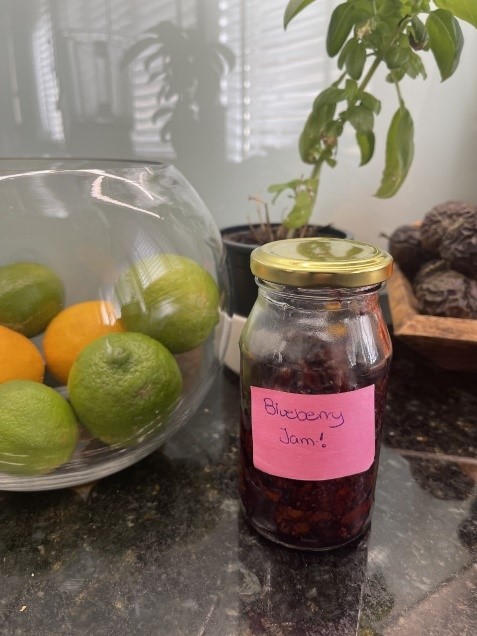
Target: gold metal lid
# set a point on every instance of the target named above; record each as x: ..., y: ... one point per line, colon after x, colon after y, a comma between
x: 324, y: 262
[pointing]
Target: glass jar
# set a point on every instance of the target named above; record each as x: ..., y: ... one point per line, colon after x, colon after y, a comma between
x: 91, y: 248
x: 315, y: 357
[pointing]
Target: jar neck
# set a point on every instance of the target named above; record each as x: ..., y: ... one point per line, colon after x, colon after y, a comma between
x: 328, y: 297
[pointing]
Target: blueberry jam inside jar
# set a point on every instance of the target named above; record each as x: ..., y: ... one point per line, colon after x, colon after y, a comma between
x: 315, y: 357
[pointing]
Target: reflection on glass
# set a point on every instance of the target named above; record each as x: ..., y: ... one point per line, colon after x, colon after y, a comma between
x: 47, y: 81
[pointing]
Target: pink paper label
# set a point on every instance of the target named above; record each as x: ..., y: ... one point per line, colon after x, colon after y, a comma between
x: 313, y: 437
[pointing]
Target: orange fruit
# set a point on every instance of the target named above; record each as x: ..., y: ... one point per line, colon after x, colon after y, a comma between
x: 19, y: 358
x: 72, y: 330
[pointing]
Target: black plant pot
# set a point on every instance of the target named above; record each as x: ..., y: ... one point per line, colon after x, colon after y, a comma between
x: 244, y: 288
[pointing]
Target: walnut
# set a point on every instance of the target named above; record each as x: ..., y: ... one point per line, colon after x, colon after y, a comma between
x: 406, y: 249
x: 437, y: 222
x: 459, y: 245
x: 447, y: 293
x: 430, y: 268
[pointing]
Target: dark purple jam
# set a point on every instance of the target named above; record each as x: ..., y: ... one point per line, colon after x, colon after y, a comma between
x: 310, y: 515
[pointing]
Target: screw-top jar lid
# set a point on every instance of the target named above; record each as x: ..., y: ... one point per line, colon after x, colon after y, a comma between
x: 329, y: 262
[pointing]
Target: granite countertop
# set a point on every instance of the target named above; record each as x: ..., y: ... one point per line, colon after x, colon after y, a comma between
x: 161, y: 547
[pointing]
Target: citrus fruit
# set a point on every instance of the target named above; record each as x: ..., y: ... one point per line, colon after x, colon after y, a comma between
x: 19, y: 358
x: 122, y: 385
x: 30, y: 295
x: 170, y: 298
x: 72, y: 329
x: 38, y: 430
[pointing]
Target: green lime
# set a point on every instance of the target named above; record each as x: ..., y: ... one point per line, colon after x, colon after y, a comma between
x: 31, y: 294
x: 123, y: 385
x: 38, y: 430
x: 170, y: 298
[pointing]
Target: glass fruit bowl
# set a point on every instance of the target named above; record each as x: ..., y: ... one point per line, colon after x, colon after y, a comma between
x: 114, y: 315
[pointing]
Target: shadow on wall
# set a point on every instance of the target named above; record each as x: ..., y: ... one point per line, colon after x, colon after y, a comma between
x: 187, y: 70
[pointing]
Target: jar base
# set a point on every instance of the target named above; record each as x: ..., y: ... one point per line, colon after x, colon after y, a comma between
x: 302, y: 548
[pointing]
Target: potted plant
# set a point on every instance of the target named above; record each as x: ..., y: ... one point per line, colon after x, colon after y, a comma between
x: 363, y: 36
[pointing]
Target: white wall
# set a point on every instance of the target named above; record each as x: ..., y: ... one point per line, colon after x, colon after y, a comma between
x: 65, y: 92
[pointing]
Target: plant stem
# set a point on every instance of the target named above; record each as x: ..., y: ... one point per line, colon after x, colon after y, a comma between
x: 398, y: 90
x: 371, y: 71
x: 317, y: 167
x: 340, y: 78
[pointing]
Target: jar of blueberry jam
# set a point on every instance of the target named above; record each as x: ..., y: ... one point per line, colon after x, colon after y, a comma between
x: 315, y: 357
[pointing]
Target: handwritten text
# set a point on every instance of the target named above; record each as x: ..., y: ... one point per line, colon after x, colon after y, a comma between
x: 273, y: 408
x: 289, y: 438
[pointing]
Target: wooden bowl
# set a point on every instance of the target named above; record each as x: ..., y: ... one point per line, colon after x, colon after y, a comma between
x: 450, y: 343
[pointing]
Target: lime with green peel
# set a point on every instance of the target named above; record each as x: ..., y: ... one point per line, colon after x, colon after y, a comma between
x: 122, y: 387
x: 31, y: 294
x: 38, y: 428
x: 170, y: 298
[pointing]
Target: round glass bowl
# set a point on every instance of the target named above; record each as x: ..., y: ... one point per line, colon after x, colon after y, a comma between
x: 136, y: 242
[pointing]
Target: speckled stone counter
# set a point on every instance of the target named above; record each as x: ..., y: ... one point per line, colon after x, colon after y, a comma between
x: 161, y: 547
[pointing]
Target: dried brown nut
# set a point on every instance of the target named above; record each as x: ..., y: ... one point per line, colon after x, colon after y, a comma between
x: 436, y: 223
x: 429, y: 269
x: 406, y: 249
x: 448, y: 294
x: 459, y: 245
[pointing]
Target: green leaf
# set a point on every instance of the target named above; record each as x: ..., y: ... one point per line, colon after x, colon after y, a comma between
x: 294, y: 7
x: 330, y: 136
x: 415, y: 67
x: 334, y: 128
x: 310, y: 138
x: 278, y: 188
x: 371, y: 102
x: 361, y: 118
x: 396, y: 75
x: 351, y: 89
x: 445, y: 41
x: 396, y: 57
x: 297, y: 217
x: 300, y: 213
x: 330, y: 96
x: 366, y: 6
x: 345, y: 51
x: 464, y: 9
x: 305, y: 196
x: 399, y: 153
x: 330, y: 161
x: 355, y: 60
x: 418, y: 35
x: 389, y: 11
x: 366, y: 145
x: 341, y: 22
